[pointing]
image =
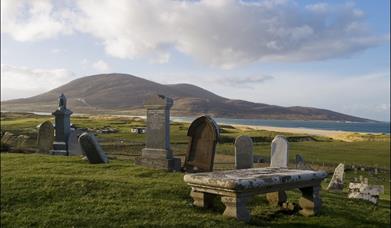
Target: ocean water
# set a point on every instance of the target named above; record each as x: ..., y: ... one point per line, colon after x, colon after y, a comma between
x: 370, y: 127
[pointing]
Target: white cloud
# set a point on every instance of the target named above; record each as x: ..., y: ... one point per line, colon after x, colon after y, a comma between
x: 101, y: 66
x: 31, y: 20
x: 220, y: 33
x: 20, y: 82
x: 243, y: 81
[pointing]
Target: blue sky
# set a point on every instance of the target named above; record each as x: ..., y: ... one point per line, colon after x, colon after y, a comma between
x: 325, y: 54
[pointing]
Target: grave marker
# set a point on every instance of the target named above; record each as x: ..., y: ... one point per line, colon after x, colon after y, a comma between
x: 92, y: 149
x: 243, y: 152
x: 204, y: 134
x: 157, y: 152
x: 45, y: 137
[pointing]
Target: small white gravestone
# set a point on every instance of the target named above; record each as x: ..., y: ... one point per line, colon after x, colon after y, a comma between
x: 243, y: 152
x: 278, y: 159
x: 279, y: 152
x: 364, y: 191
x: 336, y: 182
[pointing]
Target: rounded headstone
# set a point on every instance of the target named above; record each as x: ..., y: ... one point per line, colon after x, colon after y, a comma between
x: 243, y: 152
x: 92, y: 149
x: 45, y: 137
x: 279, y: 152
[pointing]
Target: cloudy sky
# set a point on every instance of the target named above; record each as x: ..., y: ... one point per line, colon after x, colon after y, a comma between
x: 325, y: 54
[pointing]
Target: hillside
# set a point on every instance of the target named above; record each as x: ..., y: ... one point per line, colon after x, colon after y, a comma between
x: 122, y: 93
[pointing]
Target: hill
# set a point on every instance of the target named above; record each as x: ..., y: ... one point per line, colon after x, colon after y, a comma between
x: 125, y: 94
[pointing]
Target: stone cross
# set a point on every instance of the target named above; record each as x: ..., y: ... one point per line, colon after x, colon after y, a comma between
x: 92, y: 149
x: 279, y: 152
x: 157, y: 152
x: 243, y: 152
x: 45, y: 137
x: 62, y: 127
x: 336, y: 182
x: 203, y: 136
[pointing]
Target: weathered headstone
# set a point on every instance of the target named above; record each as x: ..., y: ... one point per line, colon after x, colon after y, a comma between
x: 278, y: 159
x: 364, y: 191
x: 157, y: 152
x: 336, y: 182
x: 62, y: 127
x: 8, y: 138
x: 279, y: 152
x: 92, y: 149
x: 243, y: 152
x: 204, y: 134
x: 300, y: 164
x: 74, y: 147
x: 45, y: 137
x: 21, y: 140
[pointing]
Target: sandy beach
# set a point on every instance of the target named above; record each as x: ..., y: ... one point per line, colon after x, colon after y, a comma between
x: 339, y: 135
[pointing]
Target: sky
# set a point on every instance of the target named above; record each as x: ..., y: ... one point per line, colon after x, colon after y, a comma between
x: 325, y: 54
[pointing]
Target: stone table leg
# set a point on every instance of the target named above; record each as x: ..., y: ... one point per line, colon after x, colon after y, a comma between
x: 276, y: 198
x: 310, y: 201
x: 202, y: 199
x: 235, y: 206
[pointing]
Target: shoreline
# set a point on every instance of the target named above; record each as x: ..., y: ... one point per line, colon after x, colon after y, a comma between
x: 339, y: 135
x: 348, y: 136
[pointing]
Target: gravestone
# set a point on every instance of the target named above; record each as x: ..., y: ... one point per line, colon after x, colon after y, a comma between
x: 74, y: 147
x: 8, y: 138
x: 278, y: 159
x: 62, y: 118
x: 92, y: 149
x: 203, y: 136
x: 20, y: 141
x: 336, y: 182
x: 243, y: 152
x: 279, y: 152
x: 365, y: 191
x: 45, y: 137
x: 300, y: 163
x: 157, y: 152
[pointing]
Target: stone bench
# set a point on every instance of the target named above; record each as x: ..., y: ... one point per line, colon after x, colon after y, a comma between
x: 236, y: 187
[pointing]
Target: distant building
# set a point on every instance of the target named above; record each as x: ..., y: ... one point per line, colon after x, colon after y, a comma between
x: 138, y: 130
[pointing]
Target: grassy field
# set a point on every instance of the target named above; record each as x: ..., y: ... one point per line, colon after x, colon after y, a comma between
x: 43, y: 190
x: 51, y: 191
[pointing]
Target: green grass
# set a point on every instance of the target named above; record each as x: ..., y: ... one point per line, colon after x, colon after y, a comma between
x: 51, y: 191
x: 42, y: 190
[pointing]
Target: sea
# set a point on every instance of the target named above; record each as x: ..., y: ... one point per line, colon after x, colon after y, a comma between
x: 367, y: 127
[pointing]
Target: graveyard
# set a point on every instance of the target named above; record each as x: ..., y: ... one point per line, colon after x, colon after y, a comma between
x: 40, y: 189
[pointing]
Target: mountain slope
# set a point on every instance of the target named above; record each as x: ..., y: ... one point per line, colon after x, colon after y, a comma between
x: 122, y: 93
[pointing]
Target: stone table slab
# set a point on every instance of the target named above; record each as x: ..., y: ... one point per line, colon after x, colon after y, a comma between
x: 236, y: 187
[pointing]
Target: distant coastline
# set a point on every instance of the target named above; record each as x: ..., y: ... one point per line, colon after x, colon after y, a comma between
x: 304, y: 126
x: 321, y: 127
